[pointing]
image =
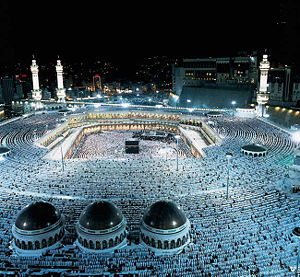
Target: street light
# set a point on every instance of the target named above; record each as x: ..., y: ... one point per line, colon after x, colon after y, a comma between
x: 34, y: 132
x: 177, y: 138
x: 296, y: 232
x: 233, y: 105
x: 62, y: 155
x: 228, y: 156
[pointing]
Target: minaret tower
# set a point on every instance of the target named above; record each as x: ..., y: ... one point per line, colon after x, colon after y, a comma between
x: 263, y: 95
x: 36, y: 92
x: 60, y: 91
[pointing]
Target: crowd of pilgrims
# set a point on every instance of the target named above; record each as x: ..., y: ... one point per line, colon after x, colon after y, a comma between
x: 248, y: 234
x: 111, y: 145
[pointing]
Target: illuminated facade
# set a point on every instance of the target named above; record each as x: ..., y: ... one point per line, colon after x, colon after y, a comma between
x: 228, y: 72
x: 36, y: 92
x: 263, y: 95
x: 60, y: 91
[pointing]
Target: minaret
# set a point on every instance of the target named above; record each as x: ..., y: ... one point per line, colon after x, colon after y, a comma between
x: 263, y: 95
x: 36, y: 92
x: 60, y: 91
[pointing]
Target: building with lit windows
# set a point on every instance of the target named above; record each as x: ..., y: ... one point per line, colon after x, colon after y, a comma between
x: 205, y: 77
x: 279, y: 81
x: 215, y: 72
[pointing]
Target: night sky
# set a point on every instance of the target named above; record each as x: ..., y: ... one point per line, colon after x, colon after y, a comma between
x: 128, y: 31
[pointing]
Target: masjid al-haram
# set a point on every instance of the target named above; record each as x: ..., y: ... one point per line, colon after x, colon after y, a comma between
x: 74, y: 203
x: 130, y: 190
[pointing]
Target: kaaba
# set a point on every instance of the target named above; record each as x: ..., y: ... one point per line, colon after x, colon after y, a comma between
x: 132, y: 146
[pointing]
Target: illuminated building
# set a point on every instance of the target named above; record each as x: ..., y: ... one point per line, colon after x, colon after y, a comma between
x: 214, y: 72
x: 36, y: 92
x: 60, y: 90
x: 263, y: 95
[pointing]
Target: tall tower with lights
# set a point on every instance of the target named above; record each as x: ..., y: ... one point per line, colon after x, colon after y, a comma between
x: 60, y: 91
x: 263, y: 95
x: 36, y: 92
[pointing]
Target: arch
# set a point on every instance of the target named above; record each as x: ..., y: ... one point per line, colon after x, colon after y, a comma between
x: 30, y: 245
x: 153, y: 244
x: 104, y: 244
x: 23, y: 245
x: 183, y: 240
x: 172, y: 246
x: 98, y: 246
x: 110, y: 243
x: 85, y: 243
x: 17, y: 242
x: 166, y: 244
x: 50, y: 241
x: 91, y: 244
x: 178, y: 243
x: 159, y: 244
x: 37, y: 244
x: 44, y: 243
x: 116, y: 240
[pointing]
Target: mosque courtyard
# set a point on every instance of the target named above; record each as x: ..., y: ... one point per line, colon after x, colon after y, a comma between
x: 247, y: 234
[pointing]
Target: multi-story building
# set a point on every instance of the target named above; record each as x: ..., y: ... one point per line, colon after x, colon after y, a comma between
x: 230, y: 72
x: 8, y: 90
x: 279, y: 81
x: 296, y: 92
x: 19, y: 91
x: 214, y: 82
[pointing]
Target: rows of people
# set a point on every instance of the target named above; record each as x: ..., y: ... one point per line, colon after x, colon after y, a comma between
x: 250, y: 233
x: 111, y: 145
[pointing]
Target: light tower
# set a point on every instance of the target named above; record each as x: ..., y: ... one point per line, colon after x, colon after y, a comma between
x: 263, y: 94
x: 60, y: 91
x: 36, y: 92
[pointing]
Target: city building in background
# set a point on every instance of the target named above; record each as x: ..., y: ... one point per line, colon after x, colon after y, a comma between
x: 202, y: 79
x: 8, y: 89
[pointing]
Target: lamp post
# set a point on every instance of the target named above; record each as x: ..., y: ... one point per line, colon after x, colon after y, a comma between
x: 62, y: 155
x: 188, y: 101
x: 228, y: 156
x: 233, y: 105
x: 177, y: 138
x: 296, y: 232
x: 34, y: 132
